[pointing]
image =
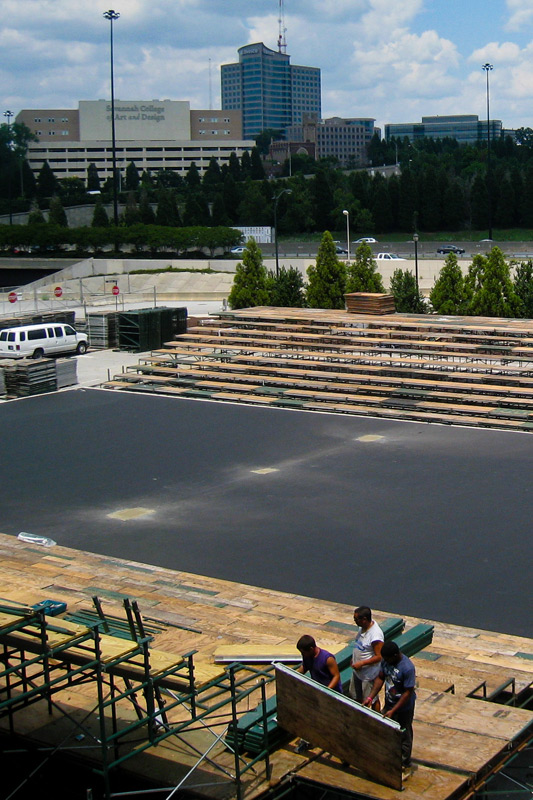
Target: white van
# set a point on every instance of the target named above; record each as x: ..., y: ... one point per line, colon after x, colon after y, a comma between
x: 36, y: 341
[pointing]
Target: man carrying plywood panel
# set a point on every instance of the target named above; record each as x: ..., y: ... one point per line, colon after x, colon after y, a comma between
x: 322, y: 667
x: 398, y: 674
x: 339, y: 725
x: 319, y: 663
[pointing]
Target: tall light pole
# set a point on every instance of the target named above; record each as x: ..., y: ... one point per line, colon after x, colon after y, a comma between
x: 347, y: 215
x: 488, y: 67
x: 112, y: 16
x: 283, y: 191
x: 8, y: 115
x: 415, y: 240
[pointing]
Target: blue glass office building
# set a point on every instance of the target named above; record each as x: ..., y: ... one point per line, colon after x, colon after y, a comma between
x: 466, y: 128
x: 270, y: 92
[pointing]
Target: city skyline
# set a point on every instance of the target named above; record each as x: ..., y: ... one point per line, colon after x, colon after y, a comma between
x: 395, y: 64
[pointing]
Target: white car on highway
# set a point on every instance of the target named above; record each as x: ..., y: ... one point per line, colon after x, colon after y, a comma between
x: 388, y: 257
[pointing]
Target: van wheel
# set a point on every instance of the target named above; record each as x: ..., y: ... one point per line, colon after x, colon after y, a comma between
x: 39, y: 353
x: 81, y: 348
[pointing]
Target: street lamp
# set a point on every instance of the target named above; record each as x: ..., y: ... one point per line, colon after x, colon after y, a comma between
x: 415, y: 240
x: 112, y: 16
x: 347, y: 215
x: 8, y: 115
x: 488, y: 67
x: 283, y: 191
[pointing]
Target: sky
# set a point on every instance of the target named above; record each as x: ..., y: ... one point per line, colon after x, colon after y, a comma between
x: 393, y: 60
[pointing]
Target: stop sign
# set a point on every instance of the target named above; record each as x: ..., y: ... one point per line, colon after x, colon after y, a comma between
x: 58, y: 291
x: 12, y: 297
x: 116, y: 290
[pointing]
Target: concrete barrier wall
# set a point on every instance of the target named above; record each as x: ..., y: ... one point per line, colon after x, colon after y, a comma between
x: 115, y: 268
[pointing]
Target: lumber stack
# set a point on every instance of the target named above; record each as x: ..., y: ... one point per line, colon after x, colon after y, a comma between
x: 28, y: 376
x: 102, y: 329
x: 369, y: 303
x: 66, y: 372
x: 34, y: 318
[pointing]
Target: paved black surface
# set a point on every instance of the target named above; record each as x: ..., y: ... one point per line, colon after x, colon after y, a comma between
x: 428, y: 520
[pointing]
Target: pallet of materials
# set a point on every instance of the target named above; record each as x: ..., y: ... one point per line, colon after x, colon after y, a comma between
x: 28, y: 376
x: 34, y: 318
x: 66, y: 372
x: 369, y: 303
x: 149, y: 328
x: 102, y: 329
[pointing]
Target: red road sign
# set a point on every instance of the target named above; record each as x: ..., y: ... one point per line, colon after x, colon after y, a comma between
x: 116, y: 290
x: 58, y: 291
x: 12, y: 297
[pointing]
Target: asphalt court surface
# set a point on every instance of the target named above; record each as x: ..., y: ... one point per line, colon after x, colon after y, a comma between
x: 432, y: 521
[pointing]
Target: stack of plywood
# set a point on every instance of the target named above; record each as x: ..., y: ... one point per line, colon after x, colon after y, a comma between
x: 66, y: 372
x: 29, y: 376
x: 102, y: 329
x: 369, y: 303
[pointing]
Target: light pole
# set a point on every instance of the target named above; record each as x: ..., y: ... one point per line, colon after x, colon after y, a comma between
x: 347, y: 215
x: 488, y: 67
x: 283, y: 191
x: 415, y: 240
x: 8, y: 115
x: 112, y: 16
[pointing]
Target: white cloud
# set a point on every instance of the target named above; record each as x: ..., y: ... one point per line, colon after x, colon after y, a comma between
x: 383, y: 19
x: 378, y: 57
x: 521, y: 14
x: 495, y: 53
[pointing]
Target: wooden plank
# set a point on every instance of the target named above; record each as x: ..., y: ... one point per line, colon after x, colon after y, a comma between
x: 261, y: 654
x: 339, y: 725
x: 426, y: 782
x: 450, y: 748
x: 475, y: 716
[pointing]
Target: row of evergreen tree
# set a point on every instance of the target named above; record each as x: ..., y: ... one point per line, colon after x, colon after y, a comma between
x: 486, y: 290
x: 440, y: 186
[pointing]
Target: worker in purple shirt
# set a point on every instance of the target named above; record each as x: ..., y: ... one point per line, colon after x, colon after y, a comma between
x: 319, y: 663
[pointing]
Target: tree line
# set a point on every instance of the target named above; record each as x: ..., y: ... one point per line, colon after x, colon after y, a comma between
x: 139, y: 238
x: 441, y: 186
x: 491, y: 287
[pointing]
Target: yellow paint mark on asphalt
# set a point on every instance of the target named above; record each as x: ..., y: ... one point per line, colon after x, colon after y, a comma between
x: 264, y: 471
x: 130, y: 513
x: 369, y: 438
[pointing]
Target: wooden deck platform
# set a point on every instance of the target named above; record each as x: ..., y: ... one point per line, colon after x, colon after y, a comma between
x: 459, y: 737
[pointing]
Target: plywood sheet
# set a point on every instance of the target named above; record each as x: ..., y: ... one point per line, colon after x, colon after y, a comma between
x: 257, y: 653
x: 426, y: 782
x: 449, y: 748
x: 339, y: 725
x: 476, y: 716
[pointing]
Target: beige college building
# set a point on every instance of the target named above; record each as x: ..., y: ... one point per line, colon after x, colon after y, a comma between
x: 154, y: 134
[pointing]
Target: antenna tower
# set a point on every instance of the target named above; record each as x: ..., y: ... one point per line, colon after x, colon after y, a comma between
x: 282, y: 43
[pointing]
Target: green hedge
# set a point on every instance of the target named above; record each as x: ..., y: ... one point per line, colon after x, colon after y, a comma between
x: 154, y: 237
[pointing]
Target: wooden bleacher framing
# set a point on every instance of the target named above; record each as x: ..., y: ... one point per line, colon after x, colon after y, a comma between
x: 475, y: 688
x: 452, y: 370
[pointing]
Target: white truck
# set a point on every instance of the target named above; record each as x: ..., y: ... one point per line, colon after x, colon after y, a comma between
x: 388, y: 257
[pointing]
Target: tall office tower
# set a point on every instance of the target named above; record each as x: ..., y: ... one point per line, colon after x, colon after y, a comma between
x: 270, y: 92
